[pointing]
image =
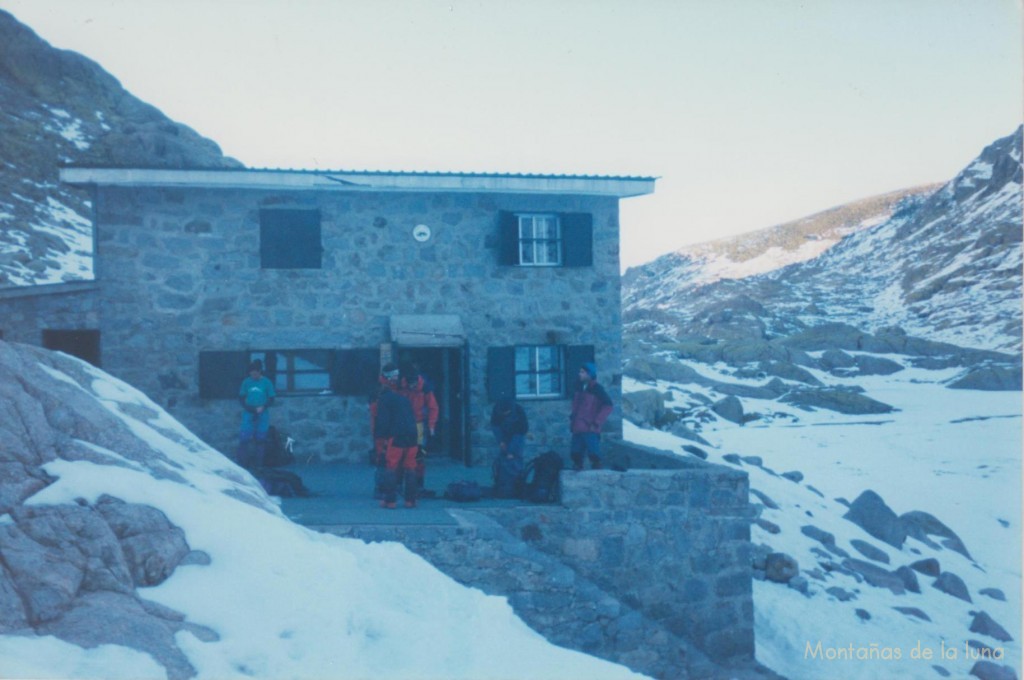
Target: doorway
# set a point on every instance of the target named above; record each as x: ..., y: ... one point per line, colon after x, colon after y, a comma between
x: 84, y: 344
x: 445, y: 370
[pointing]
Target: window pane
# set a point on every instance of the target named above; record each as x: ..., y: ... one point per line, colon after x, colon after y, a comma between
x: 311, y: 360
x: 523, y: 358
x: 523, y: 384
x: 549, y: 383
x: 312, y: 381
x: 546, y: 358
x: 526, y: 252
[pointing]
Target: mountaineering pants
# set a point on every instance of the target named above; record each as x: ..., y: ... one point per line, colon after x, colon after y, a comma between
x: 400, y: 460
x: 586, y: 444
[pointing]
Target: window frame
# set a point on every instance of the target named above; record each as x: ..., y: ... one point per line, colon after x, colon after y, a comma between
x: 534, y: 372
x: 539, y: 244
x: 280, y: 365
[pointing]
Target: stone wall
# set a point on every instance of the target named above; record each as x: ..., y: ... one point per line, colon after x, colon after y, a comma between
x: 24, y: 316
x: 178, y: 272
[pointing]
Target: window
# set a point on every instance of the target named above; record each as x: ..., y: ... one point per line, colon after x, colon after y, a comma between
x: 294, y: 372
x: 546, y: 239
x: 535, y: 371
x: 540, y: 240
x: 539, y: 371
x: 302, y: 371
x: 290, y: 239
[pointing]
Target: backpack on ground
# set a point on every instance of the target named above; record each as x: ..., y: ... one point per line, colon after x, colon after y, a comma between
x: 278, y: 449
x: 542, y: 479
x: 281, y: 483
x: 464, y: 491
x: 508, y: 477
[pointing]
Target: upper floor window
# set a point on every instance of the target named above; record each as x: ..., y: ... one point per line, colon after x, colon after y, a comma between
x: 290, y: 238
x: 531, y: 239
x: 540, y: 240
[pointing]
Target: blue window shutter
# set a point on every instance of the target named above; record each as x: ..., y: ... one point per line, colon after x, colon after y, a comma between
x: 221, y: 374
x: 575, y: 357
x: 501, y: 373
x: 355, y: 371
x: 290, y: 239
x: 577, y: 239
x: 508, y: 235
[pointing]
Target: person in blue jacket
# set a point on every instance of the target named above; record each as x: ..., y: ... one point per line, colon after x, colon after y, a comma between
x: 256, y: 395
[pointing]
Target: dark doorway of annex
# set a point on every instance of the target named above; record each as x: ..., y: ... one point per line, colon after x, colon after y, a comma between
x: 444, y: 369
x: 84, y: 344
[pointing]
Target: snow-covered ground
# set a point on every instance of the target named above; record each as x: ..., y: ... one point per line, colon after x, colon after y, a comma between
x: 953, y: 453
x: 285, y: 601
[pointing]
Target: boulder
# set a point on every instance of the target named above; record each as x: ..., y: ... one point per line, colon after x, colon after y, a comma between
x: 920, y: 525
x: 870, y: 513
x: 987, y: 670
x: 788, y: 371
x: 836, y: 399
x: 914, y: 612
x: 840, y: 594
x: 780, y: 567
x: 764, y: 498
x: 989, y: 378
x: 994, y: 593
x: 928, y: 567
x: 869, y: 551
x: 875, y: 575
x: 729, y: 408
x: 836, y: 358
x: 645, y: 408
x: 909, y: 578
x: 951, y: 584
x: 696, y: 451
x: 794, y: 476
x: 825, y: 538
x: 986, y: 625
x: 872, y: 365
x: 825, y: 337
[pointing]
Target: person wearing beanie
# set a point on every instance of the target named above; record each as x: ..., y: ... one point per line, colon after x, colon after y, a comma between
x: 256, y: 395
x: 591, y: 406
x: 395, y: 424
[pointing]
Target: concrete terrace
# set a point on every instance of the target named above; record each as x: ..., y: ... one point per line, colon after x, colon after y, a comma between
x: 343, y: 496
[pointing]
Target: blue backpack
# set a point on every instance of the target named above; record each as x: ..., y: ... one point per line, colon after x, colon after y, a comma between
x: 508, y: 477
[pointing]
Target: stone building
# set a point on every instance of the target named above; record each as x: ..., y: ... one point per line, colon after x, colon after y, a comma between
x: 494, y: 284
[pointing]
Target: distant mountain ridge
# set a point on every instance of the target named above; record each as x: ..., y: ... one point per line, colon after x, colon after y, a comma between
x: 57, y: 108
x: 944, y: 266
x: 764, y: 250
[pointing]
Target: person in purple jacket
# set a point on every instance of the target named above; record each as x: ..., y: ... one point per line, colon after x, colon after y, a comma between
x: 591, y: 406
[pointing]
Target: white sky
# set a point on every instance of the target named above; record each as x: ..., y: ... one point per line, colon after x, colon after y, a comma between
x: 752, y: 112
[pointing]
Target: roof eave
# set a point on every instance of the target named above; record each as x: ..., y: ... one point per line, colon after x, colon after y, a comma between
x: 293, y: 180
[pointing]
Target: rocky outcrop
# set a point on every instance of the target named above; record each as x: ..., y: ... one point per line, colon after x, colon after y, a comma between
x: 75, y: 570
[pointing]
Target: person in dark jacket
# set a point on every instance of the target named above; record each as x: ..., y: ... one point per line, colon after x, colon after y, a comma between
x: 395, y: 423
x: 509, y: 424
x: 591, y: 406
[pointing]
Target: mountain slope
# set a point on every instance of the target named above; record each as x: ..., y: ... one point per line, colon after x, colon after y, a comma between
x: 946, y: 267
x: 58, y: 108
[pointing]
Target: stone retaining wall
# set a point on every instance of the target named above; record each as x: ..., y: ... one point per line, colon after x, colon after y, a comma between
x: 649, y: 567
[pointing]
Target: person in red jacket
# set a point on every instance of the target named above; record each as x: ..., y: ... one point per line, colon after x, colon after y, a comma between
x: 394, y: 422
x: 591, y: 406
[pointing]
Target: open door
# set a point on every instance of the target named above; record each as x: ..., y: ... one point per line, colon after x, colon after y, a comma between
x: 436, y: 343
x: 445, y: 371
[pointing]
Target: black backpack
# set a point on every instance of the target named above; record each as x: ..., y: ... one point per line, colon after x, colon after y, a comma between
x: 464, y: 491
x: 277, y: 482
x: 543, y: 482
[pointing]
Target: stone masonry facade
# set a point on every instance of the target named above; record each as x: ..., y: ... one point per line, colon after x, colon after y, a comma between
x: 648, y: 568
x: 178, y: 273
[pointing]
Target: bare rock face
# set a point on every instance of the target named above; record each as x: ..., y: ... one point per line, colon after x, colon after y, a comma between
x: 73, y: 570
